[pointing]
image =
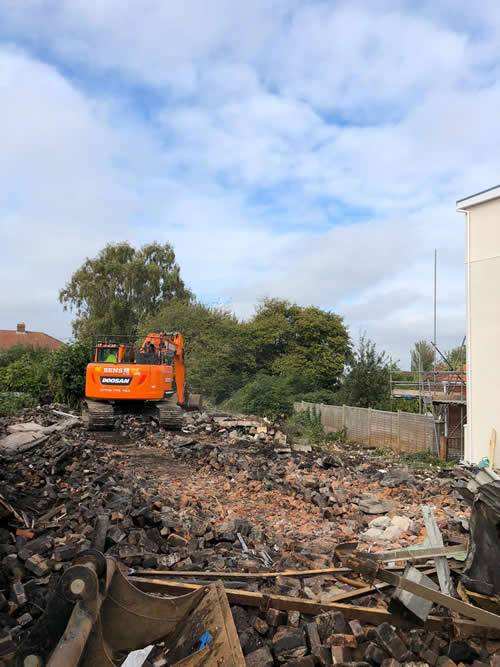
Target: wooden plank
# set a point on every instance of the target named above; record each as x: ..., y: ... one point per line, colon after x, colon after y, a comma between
x: 420, y: 553
x: 371, y: 615
x: 436, y: 540
x: 240, y: 575
x: 212, y: 615
x: 371, y: 569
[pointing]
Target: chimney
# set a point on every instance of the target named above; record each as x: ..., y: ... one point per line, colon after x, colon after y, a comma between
x: 21, y: 328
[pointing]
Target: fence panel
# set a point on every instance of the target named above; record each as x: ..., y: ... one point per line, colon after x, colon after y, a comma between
x: 401, y: 431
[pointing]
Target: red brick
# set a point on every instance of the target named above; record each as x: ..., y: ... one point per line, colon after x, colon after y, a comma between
x: 37, y: 565
x: 349, y: 641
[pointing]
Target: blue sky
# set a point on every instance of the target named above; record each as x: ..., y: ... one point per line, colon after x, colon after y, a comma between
x: 308, y: 150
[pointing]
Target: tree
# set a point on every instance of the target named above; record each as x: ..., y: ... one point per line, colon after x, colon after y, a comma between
x: 456, y: 357
x: 114, y: 291
x: 308, y: 346
x: 367, y: 383
x: 265, y: 395
x: 422, y: 356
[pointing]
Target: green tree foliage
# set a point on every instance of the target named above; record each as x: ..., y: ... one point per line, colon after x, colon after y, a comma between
x: 307, y: 346
x: 218, y: 359
x: 367, y: 383
x: 456, y: 357
x: 114, y: 291
x: 16, y: 352
x: 28, y: 373
x: 266, y: 395
x: 422, y: 356
x: 67, y: 368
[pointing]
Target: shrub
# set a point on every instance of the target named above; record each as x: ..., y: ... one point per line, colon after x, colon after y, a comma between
x: 67, y: 370
x: 265, y: 395
x: 24, y: 375
x: 16, y: 352
x: 325, y: 396
x: 11, y: 402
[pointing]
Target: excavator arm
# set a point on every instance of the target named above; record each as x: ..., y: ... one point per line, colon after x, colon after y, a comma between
x: 170, y: 344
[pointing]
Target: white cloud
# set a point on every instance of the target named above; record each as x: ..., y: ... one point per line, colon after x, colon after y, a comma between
x: 310, y: 150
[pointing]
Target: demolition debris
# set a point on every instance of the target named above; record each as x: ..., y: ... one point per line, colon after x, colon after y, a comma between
x: 285, y: 526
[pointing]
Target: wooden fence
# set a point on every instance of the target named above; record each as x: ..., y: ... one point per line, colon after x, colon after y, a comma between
x: 401, y: 431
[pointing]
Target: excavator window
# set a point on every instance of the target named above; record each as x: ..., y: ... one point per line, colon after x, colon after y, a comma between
x: 128, y: 356
x: 107, y: 355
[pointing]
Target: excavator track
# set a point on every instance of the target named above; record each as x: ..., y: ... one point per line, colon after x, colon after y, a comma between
x: 97, y: 416
x: 170, y: 415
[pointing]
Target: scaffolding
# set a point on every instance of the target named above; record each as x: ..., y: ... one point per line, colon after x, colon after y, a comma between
x: 441, y: 394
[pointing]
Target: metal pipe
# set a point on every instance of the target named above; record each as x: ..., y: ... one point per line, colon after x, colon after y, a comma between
x: 435, y: 301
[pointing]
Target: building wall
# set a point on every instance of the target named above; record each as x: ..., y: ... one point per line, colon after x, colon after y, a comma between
x: 483, y: 328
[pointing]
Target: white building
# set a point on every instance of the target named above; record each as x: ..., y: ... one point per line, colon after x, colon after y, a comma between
x: 482, y: 257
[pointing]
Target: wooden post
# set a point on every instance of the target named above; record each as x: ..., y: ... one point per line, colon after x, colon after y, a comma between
x: 369, y: 426
x: 343, y: 416
x: 399, y: 430
x: 493, y: 442
x: 443, y: 447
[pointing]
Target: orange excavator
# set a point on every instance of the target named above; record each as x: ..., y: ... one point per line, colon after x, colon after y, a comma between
x: 122, y: 381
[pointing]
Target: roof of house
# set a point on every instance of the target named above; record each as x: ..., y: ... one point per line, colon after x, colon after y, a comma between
x: 35, y: 338
x: 479, y: 198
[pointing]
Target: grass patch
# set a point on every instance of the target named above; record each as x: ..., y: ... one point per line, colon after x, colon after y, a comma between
x: 416, y: 460
x: 307, y: 425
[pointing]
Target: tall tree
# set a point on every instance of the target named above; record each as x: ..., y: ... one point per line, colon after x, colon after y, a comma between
x: 456, y: 357
x: 112, y: 292
x: 308, y: 345
x: 367, y: 383
x: 422, y: 356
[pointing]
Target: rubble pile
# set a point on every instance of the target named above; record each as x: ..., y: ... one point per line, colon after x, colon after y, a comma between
x: 328, y: 638
x: 225, y: 495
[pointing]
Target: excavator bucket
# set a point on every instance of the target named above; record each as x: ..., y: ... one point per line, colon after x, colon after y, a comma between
x: 97, y: 617
x: 194, y: 402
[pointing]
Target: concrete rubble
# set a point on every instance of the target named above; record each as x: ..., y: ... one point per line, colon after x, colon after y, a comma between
x: 230, y: 495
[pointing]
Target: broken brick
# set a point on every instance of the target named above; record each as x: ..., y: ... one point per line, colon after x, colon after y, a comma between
x: 37, y: 565
x: 374, y: 654
x: 65, y: 552
x: 260, y: 658
x: 275, y: 617
x: 18, y: 594
x: 349, y: 641
x: 392, y: 642
x: 305, y: 661
x: 329, y: 623
x: 260, y: 625
x: 25, y: 619
x: 460, y: 651
x: 176, y: 541
x: 340, y: 654
x: 357, y: 630
x: 289, y: 643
